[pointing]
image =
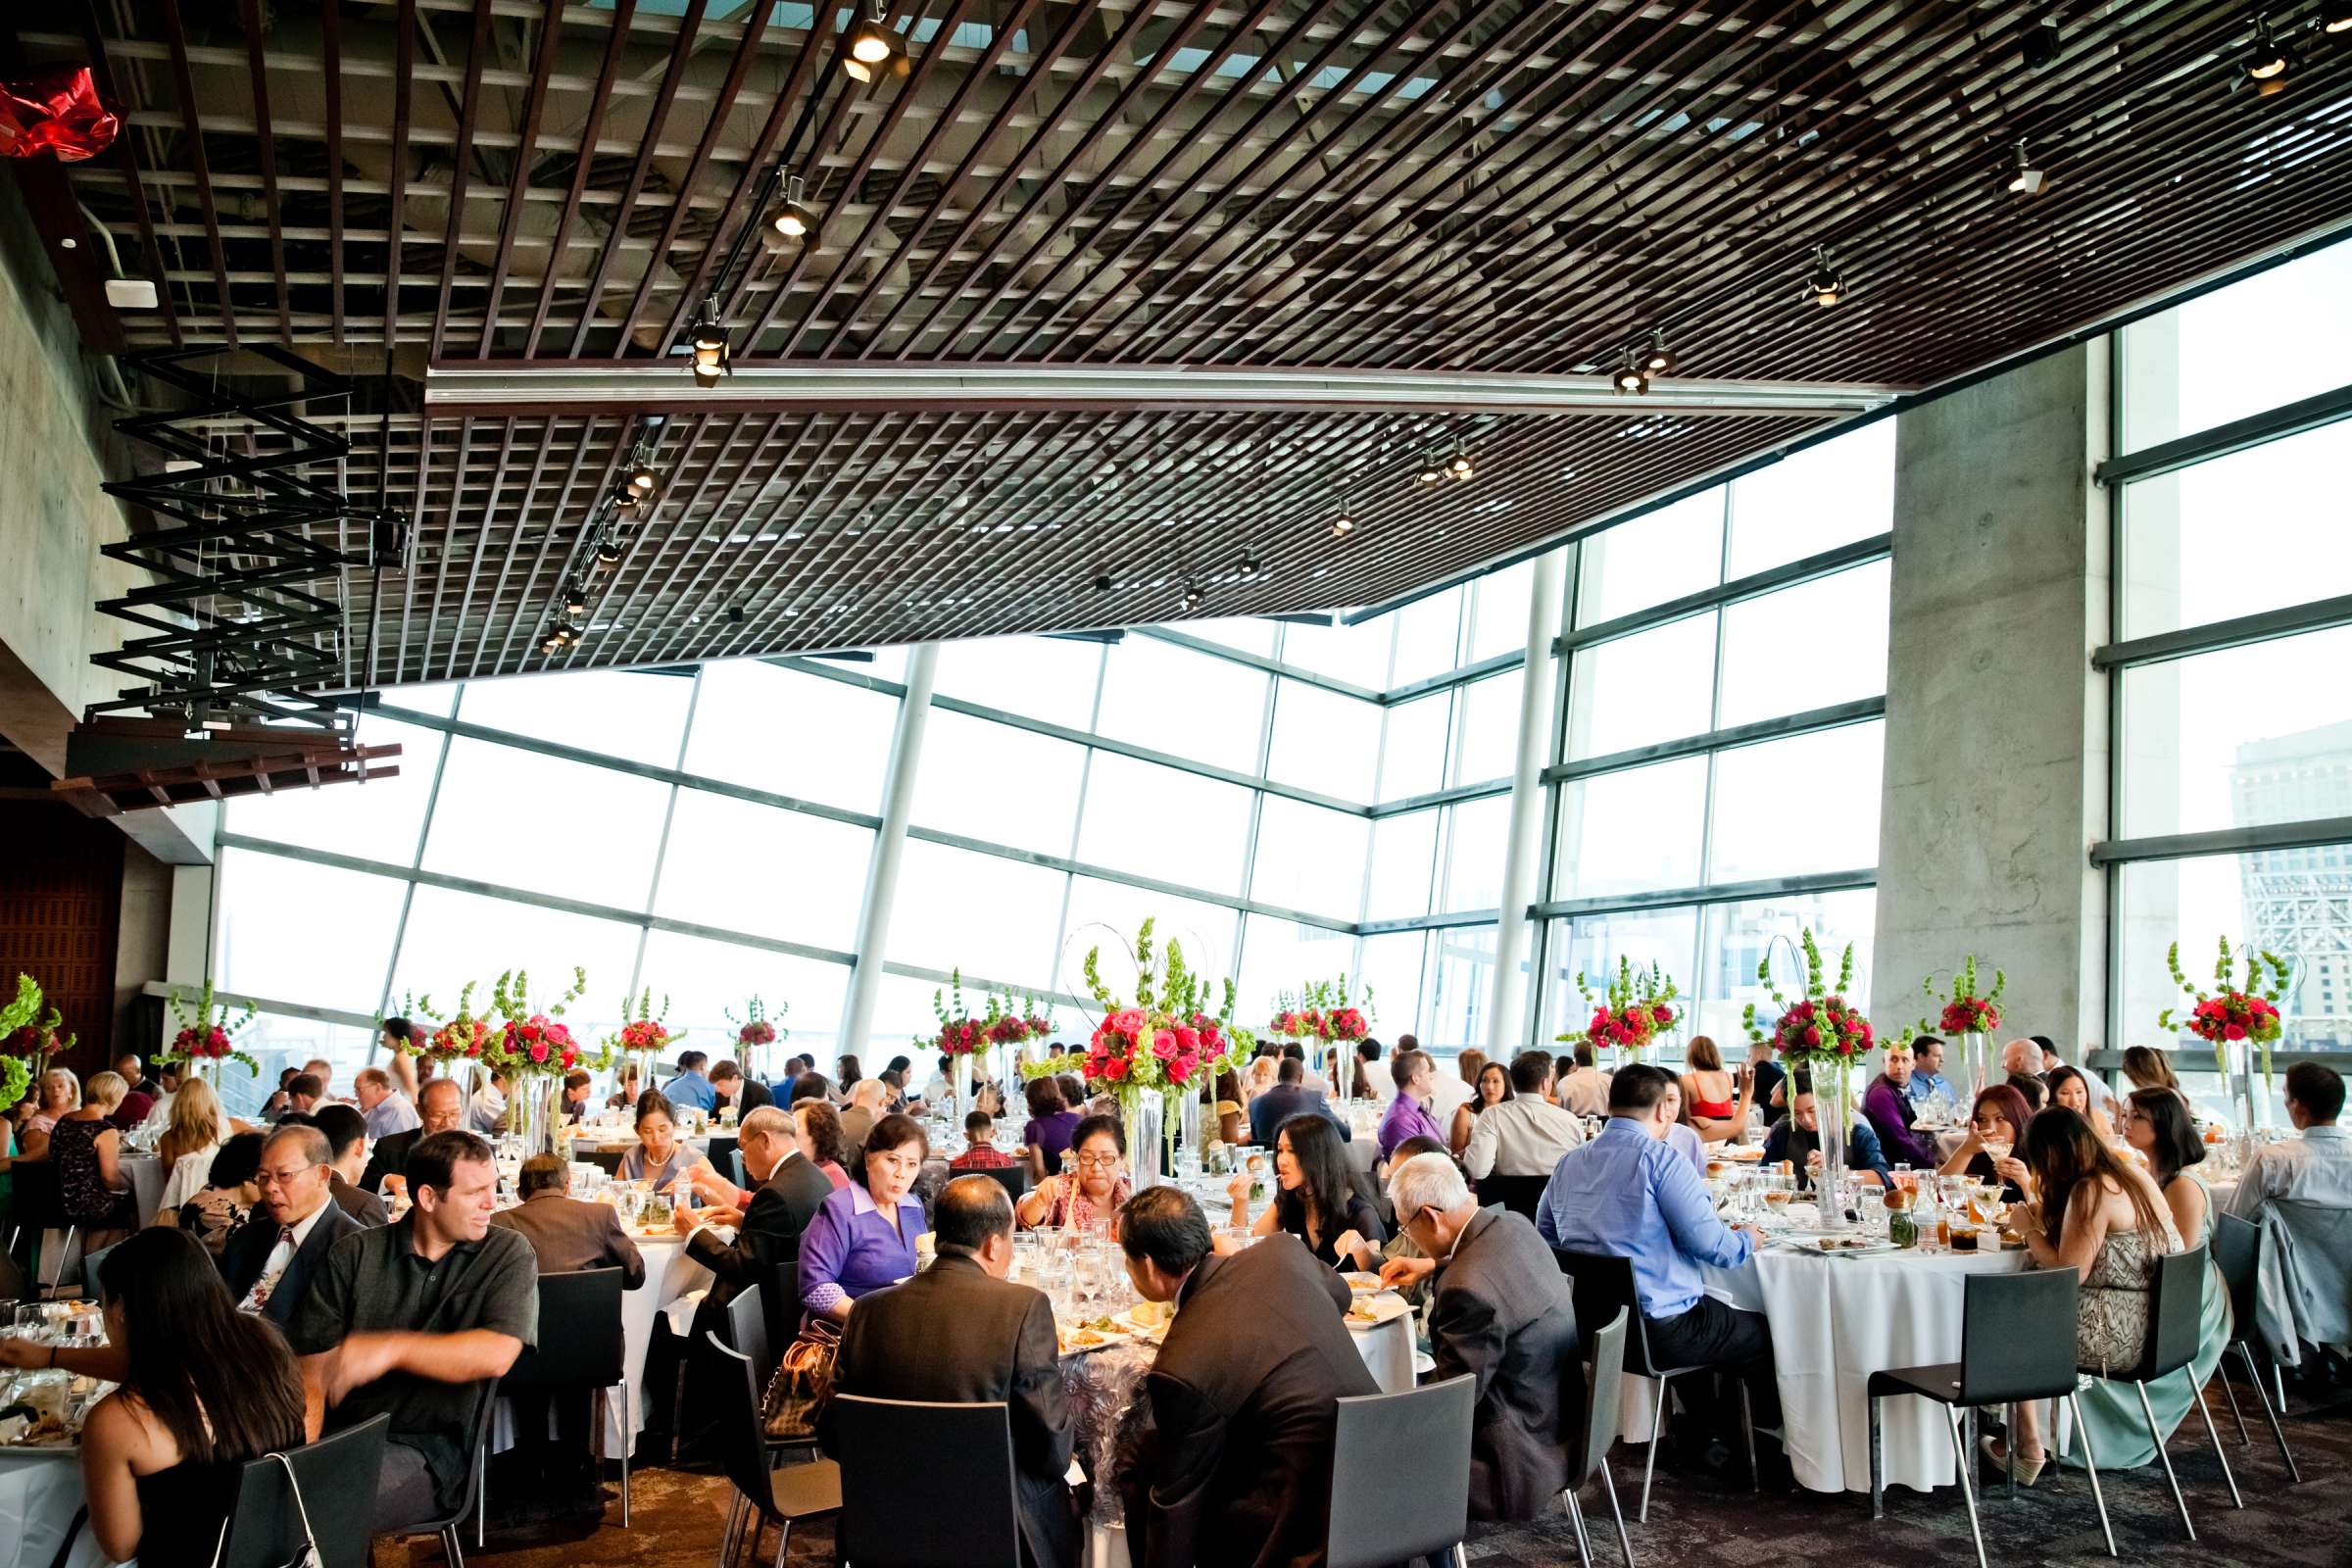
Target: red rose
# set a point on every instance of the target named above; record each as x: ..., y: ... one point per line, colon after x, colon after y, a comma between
x: 1115, y: 1068
x: 2234, y: 1032
x: 1812, y: 1037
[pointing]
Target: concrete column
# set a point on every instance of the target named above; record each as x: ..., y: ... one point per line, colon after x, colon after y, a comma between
x: 1998, y: 730
x: 890, y: 842
x: 1523, y: 850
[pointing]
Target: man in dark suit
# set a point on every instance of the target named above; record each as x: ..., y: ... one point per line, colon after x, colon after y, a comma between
x: 441, y: 1107
x: 345, y: 1133
x: 1501, y: 1311
x: 566, y: 1235
x: 767, y: 1220
x: 269, y: 1265
x: 1237, y: 1470
x: 1290, y: 1097
x: 959, y: 1332
x: 746, y: 1095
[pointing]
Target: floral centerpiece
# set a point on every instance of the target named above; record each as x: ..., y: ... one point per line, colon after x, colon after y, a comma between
x: 2232, y: 1013
x: 525, y: 1042
x: 1006, y: 1020
x: 1152, y: 1053
x: 644, y: 1031
x: 754, y: 1030
x: 1324, y: 1016
x: 1629, y: 1012
x: 1973, y: 1019
x: 207, y: 1038
x: 27, y: 1041
x: 1826, y: 1034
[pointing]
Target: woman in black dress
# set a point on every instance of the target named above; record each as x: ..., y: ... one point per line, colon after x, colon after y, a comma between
x: 1315, y: 1197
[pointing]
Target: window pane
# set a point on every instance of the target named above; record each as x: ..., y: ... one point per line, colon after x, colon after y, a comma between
x: 1592, y: 944
x: 2186, y: 370
x: 1675, y: 551
x: 753, y: 723
x: 2242, y: 738
x: 1356, y: 653
x: 1655, y: 685
x: 1812, y: 645
x: 588, y: 833
x: 1487, y: 741
x: 1278, y: 955
x: 638, y: 716
x: 705, y: 980
x: 1823, y: 497
x: 1222, y: 705
x: 1460, y: 986
x: 1039, y: 677
x: 380, y: 819
x: 1734, y: 940
x: 1324, y: 742
x: 1107, y: 914
x: 1412, y: 751
x: 1501, y: 627
x: 932, y: 923
x: 1163, y: 824
x: 1428, y: 632
x: 455, y: 937
x: 991, y: 781
x: 294, y: 932
x: 1475, y: 852
x: 1309, y: 859
x: 2189, y: 535
x: 278, y: 1041
x: 1391, y: 965
x: 437, y: 698
x: 1634, y: 831
x: 1803, y: 804
x: 764, y: 872
x: 1405, y: 853
x: 1249, y: 633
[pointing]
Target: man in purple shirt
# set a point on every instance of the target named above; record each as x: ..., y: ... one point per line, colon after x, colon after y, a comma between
x: 1407, y: 1114
x: 1886, y: 1106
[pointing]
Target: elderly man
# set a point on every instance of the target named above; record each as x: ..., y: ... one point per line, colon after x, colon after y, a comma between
x: 1244, y: 1393
x: 1886, y: 1106
x: 269, y: 1265
x: 1527, y: 1134
x: 1501, y: 1311
x: 2314, y: 1169
x: 413, y: 1321
x: 441, y: 1109
x: 768, y: 1219
x: 1407, y: 1115
x: 959, y: 1333
x: 567, y: 1236
x: 386, y: 1109
x: 868, y: 1097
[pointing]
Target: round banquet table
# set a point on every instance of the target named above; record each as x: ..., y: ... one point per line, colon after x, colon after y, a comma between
x: 1834, y: 1321
x: 40, y: 1493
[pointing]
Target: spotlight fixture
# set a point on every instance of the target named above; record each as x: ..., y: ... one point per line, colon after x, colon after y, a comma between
x: 607, y: 553
x: 2040, y: 46
x: 1827, y: 286
x: 642, y: 480
x: 575, y: 600
x: 2337, y: 17
x: 552, y: 643
x: 1104, y: 582
x: 1250, y: 566
x: 1342, y: 526
x: 2026, y: 179
x: 869, y: 45
x: 1632, y: 379
x: 1661, y: 359
x: 792, y: 219
x: 1459, y: 467
x: 1433, y: 470
x: 1194, y: 596
x: 709, y: 346
x: 626, y: 500
x: 2270, y: 62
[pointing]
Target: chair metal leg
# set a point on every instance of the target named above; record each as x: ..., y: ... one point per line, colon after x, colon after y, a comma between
x: 2278, y: 1383
x: 2157, y: 1437
x: 2214, y: 1433
x: 2009, y: 1447
x: 1649, y: 1465
x: 1576, y: 1521
x: 451, y: 1549
x: 2294, y: 1477
x: 730, y: 1538
x: 1608, y: 1484
x: 481, y: 1492
x: 2246, y: 1438
x: 2090, y: 1465
x: 1968, y: 1486
x: 1877, y: 1469
x: 1459, y: 1556
x: 1748, y: 1432
x: 783, y: 1541
x: 628, y: 1440
x: 677, y: 1413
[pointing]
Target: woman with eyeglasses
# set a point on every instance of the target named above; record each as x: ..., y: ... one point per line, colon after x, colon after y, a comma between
x: 1099, y: 1190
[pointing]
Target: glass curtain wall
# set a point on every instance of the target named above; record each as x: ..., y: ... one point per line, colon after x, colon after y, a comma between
x: 2233, y: 786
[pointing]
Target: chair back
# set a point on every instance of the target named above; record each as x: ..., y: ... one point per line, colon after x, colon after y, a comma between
x: 589, y: 1351
x: 2237, y: 1253
x: 1374, y: 1520
x: 2175, y: 1300
x: 2017, y: 1335
x: 1603, y: 1287
x: 783, y: 1300
x: 742, y: 1444
x: 1518, y: 1193
x: 40, y: 1201
x: 479, y: 1434
x: 1603, y: 1396
x: 1014, y: 1177
x: 962, y: 1452
x: 747, y: 1332
x: 265, y: 1527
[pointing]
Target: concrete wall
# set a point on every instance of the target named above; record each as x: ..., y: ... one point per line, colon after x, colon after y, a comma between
x: 1996, y: 769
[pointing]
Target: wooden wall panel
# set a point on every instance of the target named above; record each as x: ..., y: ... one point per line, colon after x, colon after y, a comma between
x: 61, y: 896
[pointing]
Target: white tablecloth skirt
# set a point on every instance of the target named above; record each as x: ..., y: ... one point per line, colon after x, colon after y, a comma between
x: 1834, y: 1321
x: 39, y: 1494
x: 673, y: 1284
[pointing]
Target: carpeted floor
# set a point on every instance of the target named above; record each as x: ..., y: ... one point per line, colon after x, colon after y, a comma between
x: 678, y: 1516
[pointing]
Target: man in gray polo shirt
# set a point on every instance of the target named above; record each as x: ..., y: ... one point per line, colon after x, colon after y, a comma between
x: 418, y: 1320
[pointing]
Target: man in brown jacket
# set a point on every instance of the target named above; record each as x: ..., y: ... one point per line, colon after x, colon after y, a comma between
x: 566, y: 1235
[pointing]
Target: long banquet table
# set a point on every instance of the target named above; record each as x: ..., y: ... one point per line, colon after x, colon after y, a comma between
x: 41, y: 1506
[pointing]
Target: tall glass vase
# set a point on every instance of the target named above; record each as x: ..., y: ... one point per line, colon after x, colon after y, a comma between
x: 531, y: 1114
x: 1976, y: 1063
x: 1832, y: 1109
x: 1143, y: 1115
x: 963, y: 1070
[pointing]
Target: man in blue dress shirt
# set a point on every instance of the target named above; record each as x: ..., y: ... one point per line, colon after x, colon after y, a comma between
x: 1626, y: 1194
x: 692, y: 1086
x: 1927, y: 1070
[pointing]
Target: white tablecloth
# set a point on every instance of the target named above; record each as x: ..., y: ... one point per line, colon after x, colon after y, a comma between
x: 40, y: 1492
x: 1834, y: 1321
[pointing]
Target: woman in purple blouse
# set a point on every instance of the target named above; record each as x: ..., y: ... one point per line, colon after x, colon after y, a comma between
x: 863, y: 1237
x: 1051, y: 1121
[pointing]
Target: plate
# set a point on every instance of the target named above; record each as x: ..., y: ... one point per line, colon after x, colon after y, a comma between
x: 1372, y: 1311
x: 1362, y: 1284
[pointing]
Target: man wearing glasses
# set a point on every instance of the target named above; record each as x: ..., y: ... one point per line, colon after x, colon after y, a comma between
x: 269, y: 1262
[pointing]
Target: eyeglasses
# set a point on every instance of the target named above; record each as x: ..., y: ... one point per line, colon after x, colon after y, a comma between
x: 1099, y: 1161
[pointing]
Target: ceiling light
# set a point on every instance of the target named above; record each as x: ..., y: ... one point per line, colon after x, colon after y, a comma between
x: 551, y: 644
x: 868, y: 45
x: 709, y: 346
x: 1250, y: 566
x: 1194, y: 596
x: 575, y: 600
x: 1104, y: 582
x: 1433, y: 470
x: 1459, y: 467
x: 2270, y: 62
x: 2039, y: 47
x: 2026, y: 181
x: 1661, y: 359
x: 607, y: 553
x: 2337, y: 17
x: 626, y: 500
x: 1632, y: 380
x: 1827, y: 286
x: 642, y: 480
x: 1342, y: 526
x: 131, y: 293
x: 792, y: 219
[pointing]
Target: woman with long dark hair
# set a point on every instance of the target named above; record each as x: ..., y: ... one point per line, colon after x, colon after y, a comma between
x: 1996, y: 1125
x: 231, y: 1187
x: 2097, y: 1214
x: 2070, y: 1089
x: 1491, y: 1085
x: 1315, y: 1197
x: 205, y: 1389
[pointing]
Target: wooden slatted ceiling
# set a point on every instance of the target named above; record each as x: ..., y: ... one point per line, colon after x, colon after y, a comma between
x: 1524, y: 186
